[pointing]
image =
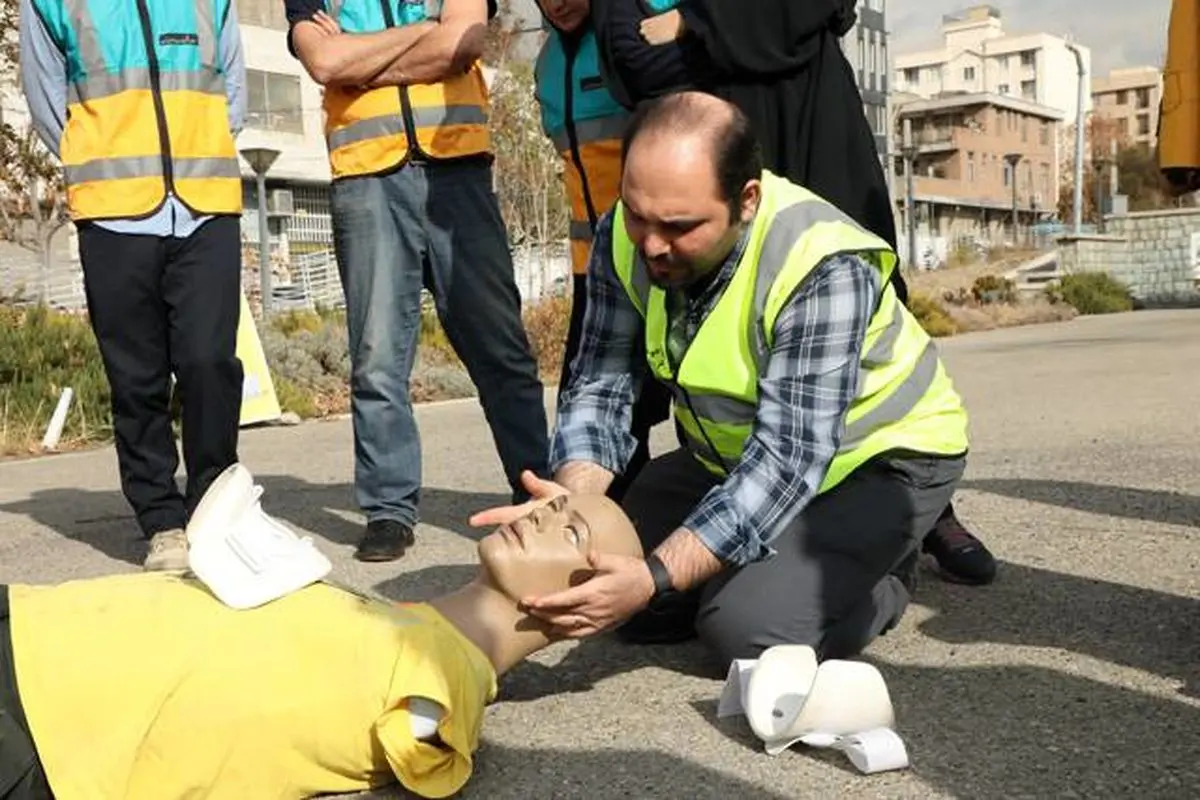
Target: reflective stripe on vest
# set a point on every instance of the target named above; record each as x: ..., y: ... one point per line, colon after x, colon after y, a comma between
x: 365, y: 130
x: 904, y: 398
x: 127, y: 142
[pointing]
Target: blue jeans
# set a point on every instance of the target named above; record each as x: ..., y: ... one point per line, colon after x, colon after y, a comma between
x: 436, y: 226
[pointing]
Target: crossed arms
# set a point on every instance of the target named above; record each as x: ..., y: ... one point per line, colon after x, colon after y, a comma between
x: 427, y: 52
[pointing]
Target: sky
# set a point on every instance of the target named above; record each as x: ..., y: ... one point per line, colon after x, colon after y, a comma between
x: 1120, y: 33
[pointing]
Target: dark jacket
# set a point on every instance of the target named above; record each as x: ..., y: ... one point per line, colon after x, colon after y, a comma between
x: 781, y: 63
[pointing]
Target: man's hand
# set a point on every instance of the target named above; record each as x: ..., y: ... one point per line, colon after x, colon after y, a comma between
x: 542, y: 492
x: 620, y: 587
x: 663, y: 28
x: 326, y: 24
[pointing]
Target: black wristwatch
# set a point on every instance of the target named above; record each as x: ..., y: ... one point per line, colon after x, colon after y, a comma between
x: 662, y: 578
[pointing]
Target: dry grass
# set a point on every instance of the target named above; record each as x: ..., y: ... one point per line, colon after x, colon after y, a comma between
x: 949, y: 291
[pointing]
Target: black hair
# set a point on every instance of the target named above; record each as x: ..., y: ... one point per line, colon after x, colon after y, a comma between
x: 737, y: 155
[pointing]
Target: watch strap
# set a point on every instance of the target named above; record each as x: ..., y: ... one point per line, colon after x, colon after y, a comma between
x: 662, y: 578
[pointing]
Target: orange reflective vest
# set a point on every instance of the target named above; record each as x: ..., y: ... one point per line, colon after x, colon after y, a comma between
x: 375, y: 130
x: 585, y: 123
x: 147, y: 112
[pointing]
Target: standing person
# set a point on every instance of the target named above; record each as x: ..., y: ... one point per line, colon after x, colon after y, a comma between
x: 142, y: 107
x: 781, y: 63
x: 412, y: 203
x: 585, y: 124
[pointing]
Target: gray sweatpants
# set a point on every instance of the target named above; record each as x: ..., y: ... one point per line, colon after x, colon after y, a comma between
x: 832, y: 583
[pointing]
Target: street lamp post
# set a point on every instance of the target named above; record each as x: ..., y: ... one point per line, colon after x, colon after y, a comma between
x: 909, y: 152
x: 1081, y: 100
x: 1013, y: 159
x: 260, y: 160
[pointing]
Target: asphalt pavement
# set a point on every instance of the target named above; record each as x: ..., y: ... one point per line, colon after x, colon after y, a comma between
x: 1077, y: 674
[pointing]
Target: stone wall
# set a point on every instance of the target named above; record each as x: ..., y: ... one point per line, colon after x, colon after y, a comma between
x: 1155, y: 253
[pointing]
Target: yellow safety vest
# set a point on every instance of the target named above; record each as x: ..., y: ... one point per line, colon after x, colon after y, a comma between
x: 147, y: 111
x: 375, y: 130
x: 905, y: 400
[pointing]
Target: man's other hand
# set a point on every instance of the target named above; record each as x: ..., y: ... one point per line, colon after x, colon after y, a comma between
x: 326, y: 24
x: 663, y: 28
x: 541, y: 491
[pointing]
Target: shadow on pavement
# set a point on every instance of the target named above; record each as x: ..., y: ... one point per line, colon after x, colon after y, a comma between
x: 516, y: 773
x: 103, y: 520
x: 423, y: 584
x: 1151, y: 631
x: 1149, y: 505
x: 1024, y: 731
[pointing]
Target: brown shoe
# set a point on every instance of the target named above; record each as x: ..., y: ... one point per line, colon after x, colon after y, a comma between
x: 168, y: 552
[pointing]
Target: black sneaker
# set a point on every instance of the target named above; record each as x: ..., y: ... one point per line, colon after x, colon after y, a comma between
x: 961, y: 557
x: 385, y: 540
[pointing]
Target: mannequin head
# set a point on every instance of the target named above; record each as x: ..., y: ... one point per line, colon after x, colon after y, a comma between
x: 546, y: 551
x: 543, y: 552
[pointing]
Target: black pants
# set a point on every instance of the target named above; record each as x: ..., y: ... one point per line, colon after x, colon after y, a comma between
x: 21, y: 774
x: 652, y: 407
x: 831, y: 584
x: 163, y: 306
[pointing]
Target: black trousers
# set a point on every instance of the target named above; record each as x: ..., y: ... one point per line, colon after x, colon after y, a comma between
x: 652, y: 407
x: 21, y: 774
x: 163, y: 306
x: 833, y: 583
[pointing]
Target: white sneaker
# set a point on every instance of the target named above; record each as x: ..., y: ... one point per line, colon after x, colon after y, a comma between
x: 168, y: 552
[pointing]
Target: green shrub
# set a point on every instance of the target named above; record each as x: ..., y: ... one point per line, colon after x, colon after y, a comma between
x: 994, y: 289
x: 42, y: 351
x: 931, y: 315
x: 1092, y: 293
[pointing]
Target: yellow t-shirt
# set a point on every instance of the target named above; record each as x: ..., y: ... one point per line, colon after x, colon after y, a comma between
x: 146, y: 686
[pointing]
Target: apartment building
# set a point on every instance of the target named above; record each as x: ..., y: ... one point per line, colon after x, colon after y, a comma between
x: 1130, y: 98
x: 977, y: 56
x: 969, y: 152
x: 865, y: 46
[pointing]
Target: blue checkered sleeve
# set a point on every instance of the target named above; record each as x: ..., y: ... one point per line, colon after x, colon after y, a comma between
x: 595, y: 412
x: 810, y: 381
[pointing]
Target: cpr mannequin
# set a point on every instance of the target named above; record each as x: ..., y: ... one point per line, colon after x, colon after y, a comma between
x: 147, y: 686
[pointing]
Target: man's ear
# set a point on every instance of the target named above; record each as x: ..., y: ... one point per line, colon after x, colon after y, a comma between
x: 751, y: 196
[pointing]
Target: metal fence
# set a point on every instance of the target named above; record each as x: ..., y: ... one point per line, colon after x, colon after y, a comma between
x: 304, y: 269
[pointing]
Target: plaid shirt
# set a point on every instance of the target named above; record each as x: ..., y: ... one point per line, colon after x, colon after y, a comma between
x: 811, y: 378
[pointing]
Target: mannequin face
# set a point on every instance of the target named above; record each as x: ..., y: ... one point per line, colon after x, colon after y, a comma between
x: 546, y: 551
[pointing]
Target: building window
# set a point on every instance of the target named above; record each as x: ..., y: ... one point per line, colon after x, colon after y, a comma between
x: 1122, y: 97
x: 1024, y: 129
x: 1044, y: 180
x: 970, y: 167
x: 1029, y: 90
x: 1002, y: 88
x: 1123, y: 126
x: 273, y: 102
x: 1028, y: 58
x: 1143, y: 98
x: 912, y: 75
x: 1004, y: 62
x: 968, y: 73
x: 1044, y: 133
x: 1143, y: 124
x: 1007, y: 175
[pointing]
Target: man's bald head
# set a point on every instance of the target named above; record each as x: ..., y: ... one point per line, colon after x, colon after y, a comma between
x: 702, y: 126
x: 690, y: 185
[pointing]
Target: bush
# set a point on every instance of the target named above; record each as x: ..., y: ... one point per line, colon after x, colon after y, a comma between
x: 931, y: 315
x: 1092, y: 293
x: 994, y: 289
x: 546, y: 322
x: 41, y: 352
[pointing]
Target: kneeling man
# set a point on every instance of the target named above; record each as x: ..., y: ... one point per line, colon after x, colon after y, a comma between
x: 822, y: 434
x: 147, y: 686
